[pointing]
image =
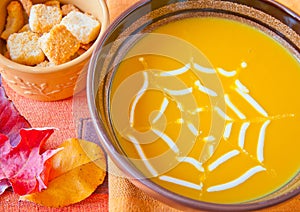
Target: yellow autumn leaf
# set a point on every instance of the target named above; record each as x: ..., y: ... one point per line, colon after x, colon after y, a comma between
x: 76, y: 152
x: 77, y: 171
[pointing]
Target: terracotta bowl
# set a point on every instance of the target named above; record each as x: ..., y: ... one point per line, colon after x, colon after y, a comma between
x: 145, y: 16
x: 52, y: 83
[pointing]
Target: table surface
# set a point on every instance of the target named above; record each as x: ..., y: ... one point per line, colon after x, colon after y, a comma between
x: 71, y: 118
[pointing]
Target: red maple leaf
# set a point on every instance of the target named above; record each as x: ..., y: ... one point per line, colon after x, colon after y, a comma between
x: 25, y: 167
x: 11, y: 121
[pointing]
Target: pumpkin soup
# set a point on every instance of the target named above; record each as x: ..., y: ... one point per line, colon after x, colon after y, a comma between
x: 168, y: 109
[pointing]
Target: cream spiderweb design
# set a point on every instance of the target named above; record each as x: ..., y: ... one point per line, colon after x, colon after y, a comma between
x: 175, y: 91
x: 183, y: 95
x: 263, y: 118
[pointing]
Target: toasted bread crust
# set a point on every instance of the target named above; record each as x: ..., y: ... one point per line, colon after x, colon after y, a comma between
x: 53, y: 3
x: 15, y: 19
x: 42, y: 17
x: 25, y: 28
x: 67, y: 8
x: 27, y: 4
x: 59, y: 44
x: 24, y: 48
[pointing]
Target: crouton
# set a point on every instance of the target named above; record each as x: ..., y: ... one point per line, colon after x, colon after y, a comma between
x: 6, y: 54
x: 15, y: 19
x: 86, y: 46
x: 24, y: 48
x: 53, y: 3
x: 59, y: 44
x: 27, y: 4
x: 84, y: 27
x: 45, y: 63
x: 25, y: 28
x: 67, y: 8
x: 42, y: 18
x: 78, y: 53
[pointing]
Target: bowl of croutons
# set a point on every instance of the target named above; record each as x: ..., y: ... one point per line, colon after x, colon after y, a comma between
x: 46, y: 45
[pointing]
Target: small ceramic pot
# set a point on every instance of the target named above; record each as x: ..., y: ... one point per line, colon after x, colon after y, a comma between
x: 57, y: 82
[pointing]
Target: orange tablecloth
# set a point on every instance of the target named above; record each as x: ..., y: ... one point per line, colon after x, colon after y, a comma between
x: 69, y: 116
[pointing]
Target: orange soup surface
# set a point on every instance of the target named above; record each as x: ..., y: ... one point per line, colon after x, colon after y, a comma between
x: 162, y: 112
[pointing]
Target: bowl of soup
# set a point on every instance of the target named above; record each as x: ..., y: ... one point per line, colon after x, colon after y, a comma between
x: 196, y: 102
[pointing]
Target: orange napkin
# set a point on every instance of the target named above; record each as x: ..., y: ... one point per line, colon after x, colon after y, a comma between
x: 124, y: 196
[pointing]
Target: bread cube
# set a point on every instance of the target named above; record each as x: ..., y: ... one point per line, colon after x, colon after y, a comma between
x: 53, y: 3
x: 67, y: 8
x: 45, y: 64
x: 42, y: 17
x: 25, y: 28
x: 15, y: 19
x: 59, y: 44
x: 27, y: 4
x: 84, y: 27
x: 24, y: 48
